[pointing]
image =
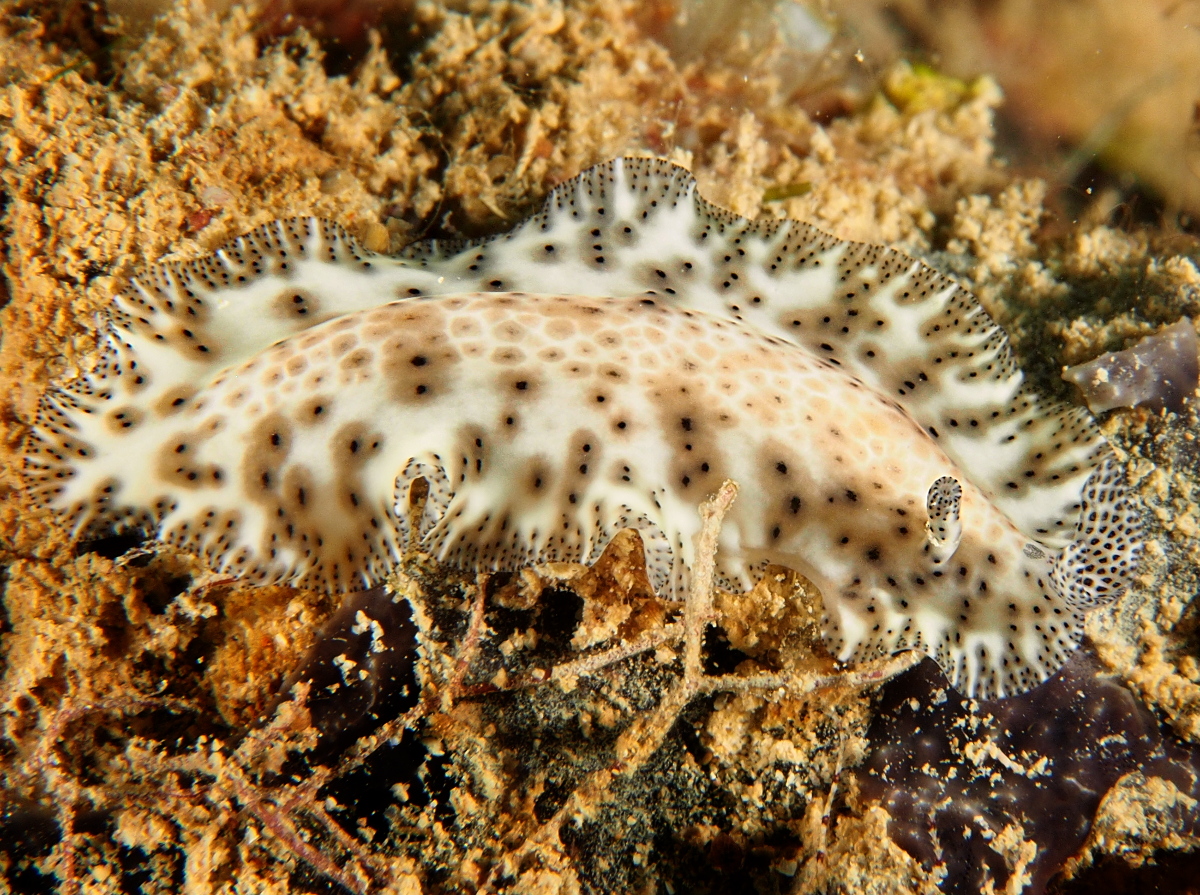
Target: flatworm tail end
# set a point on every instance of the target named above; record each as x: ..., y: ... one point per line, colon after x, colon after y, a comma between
x: 172, y: 331
x: 267, y: 285
x: 61, y: 453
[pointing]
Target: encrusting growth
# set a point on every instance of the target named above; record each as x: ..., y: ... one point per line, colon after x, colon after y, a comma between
x: 605, y: 365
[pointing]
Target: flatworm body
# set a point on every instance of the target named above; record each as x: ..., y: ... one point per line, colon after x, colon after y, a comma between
x: 606, y: 364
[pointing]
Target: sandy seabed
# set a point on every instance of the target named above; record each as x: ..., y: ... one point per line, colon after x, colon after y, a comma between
x: 136, y: 685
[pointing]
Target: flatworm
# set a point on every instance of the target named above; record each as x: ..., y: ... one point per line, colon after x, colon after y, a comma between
x: 606, y: 364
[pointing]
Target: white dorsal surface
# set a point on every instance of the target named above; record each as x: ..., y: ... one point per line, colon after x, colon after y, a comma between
x: 268, y: 406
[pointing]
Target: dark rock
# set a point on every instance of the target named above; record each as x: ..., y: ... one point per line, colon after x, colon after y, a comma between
x: 953, y: 774
x: 362, y: 667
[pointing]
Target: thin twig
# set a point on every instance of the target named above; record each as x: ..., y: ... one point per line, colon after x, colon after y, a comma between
x: 645, y: 735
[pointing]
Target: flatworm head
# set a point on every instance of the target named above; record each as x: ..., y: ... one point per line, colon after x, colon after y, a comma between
x: 269, y: 407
